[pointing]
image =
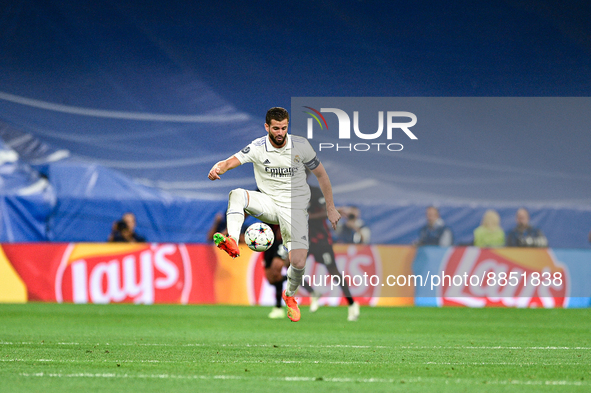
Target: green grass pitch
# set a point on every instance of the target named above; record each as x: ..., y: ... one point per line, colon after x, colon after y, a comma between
x: 111, y: 348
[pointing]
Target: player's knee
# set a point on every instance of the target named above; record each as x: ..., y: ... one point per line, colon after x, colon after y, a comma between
x: 238, y: 198
x: 297, y: 258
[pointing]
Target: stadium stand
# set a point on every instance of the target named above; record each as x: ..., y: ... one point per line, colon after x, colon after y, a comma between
x: 120, y: 113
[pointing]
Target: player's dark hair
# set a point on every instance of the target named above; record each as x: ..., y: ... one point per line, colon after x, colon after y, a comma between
x: 277, y: 114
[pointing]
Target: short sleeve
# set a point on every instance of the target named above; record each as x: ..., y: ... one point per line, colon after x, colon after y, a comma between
x: 311, y: 160
x: 245, y: 155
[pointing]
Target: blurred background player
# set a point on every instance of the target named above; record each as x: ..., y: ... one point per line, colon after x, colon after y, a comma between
x: 275, y: 259
x: 321, y: 249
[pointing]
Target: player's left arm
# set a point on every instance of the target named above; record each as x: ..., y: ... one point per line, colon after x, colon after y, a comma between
x: 324, y: 181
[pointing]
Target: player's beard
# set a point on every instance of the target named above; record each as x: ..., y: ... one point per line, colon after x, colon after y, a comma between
x: 275, y: 141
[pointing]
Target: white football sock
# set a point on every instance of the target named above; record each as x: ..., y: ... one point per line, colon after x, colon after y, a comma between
x: 294, y: 279
x: 235, y: 214
x: 234, y: 222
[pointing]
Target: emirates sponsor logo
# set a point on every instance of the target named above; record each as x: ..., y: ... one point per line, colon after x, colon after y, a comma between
x: 141, y: 274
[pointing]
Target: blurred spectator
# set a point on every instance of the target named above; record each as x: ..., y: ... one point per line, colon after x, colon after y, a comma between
x: 489, y: 233
x: 524, y: 235
x: 351, y: 228
x: 435, y: 232
x: 121, y: 233
x: 129, y: 219
x: 124, y: 230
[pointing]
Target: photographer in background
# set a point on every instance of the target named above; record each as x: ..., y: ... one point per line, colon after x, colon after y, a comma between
x: 124, y: 230
x: 351, y: 228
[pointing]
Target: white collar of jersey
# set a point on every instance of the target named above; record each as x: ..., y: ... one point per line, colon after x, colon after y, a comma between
x: 288, y: 143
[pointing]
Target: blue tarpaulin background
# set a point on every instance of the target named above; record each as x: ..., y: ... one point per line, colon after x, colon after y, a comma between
x: 124, y: 106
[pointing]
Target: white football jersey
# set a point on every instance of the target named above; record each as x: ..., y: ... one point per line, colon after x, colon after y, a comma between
x: 280, y: 173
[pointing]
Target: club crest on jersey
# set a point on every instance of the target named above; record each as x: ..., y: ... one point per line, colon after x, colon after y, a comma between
x: 297, y: 159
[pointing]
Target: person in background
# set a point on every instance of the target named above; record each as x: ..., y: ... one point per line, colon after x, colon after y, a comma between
x: 124, y: 230
x: 524, y: 235
x: 121, y: 233
x: 275, y: 259
x: 352, y: 229
x: 435, y: 232
x: 322, y: 250
x: 129, y: 219
x: 489, y: 233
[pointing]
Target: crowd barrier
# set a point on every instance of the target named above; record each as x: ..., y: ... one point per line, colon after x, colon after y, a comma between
x: 377, y: 275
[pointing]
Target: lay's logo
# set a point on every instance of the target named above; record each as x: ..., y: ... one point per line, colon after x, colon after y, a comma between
x: 130, y: 273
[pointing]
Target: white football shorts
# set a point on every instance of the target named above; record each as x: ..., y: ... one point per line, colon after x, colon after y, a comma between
x: 292, y: 222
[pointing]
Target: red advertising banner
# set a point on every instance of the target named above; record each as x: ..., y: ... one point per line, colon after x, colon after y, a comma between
x: 140, y: 273
x: 364, y: 267
x: 151, y: 273
x: 505, y: 277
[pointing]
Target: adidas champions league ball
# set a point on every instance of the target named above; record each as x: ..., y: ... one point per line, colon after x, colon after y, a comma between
x: 259, y: 237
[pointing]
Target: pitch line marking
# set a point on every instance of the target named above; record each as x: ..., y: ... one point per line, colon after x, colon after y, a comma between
x: 521, y: 364
x: 305, y: 379
x: 305, y: 346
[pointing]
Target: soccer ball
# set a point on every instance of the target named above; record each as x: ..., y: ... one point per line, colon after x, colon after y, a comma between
x: 259, y: 237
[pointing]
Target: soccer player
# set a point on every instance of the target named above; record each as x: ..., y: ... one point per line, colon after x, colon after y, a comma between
x: 321, y: 249
x: 279, y: 162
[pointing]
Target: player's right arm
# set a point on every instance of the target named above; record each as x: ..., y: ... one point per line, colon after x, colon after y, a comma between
x: 222, y: 167
x: 331, y: 211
